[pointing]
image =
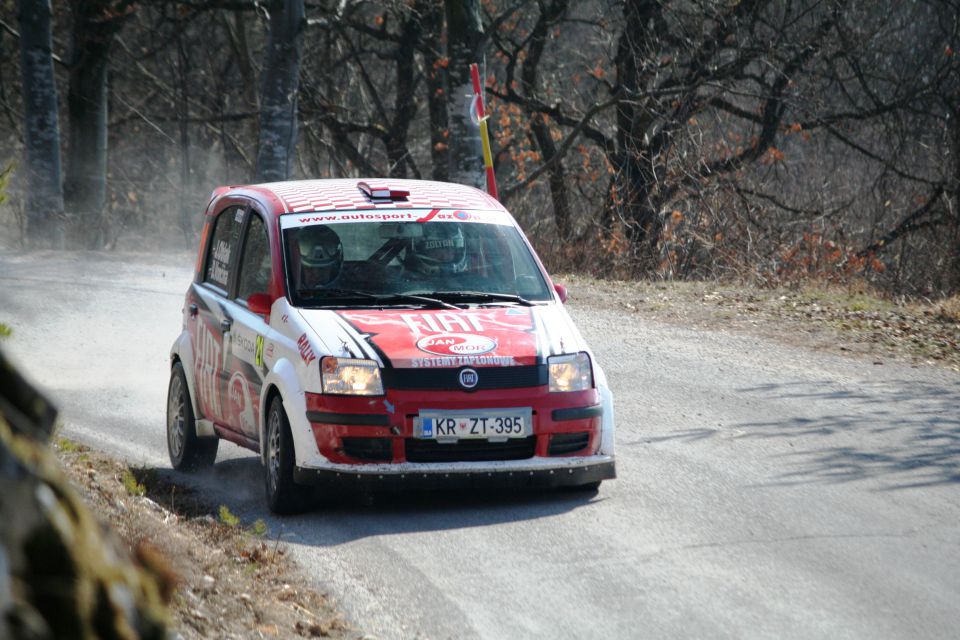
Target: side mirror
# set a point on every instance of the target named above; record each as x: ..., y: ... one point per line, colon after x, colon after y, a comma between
x: 561, y: 291
x: 259, y: 303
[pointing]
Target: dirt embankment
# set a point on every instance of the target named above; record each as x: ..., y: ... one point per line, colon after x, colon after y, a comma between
x: 233, y: 579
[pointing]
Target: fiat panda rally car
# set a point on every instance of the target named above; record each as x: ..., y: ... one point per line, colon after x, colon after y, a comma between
x: 389, y: 333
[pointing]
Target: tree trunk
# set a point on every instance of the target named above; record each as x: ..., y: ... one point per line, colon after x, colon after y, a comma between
x: 85, y: 186
x: 236, y: 25
x: 44, y: 219
x: 634, y: 177
x: 558, y: 178
x: 432, y: 22
x: 953, y: 283
x: 405, y: 108
x: 465, y: 42
x: 95, y: 22
x: 280, y: 84
x: 538, y: 123
x: 187, y: 223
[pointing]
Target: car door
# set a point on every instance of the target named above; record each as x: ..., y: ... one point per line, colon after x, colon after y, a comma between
x: 211, y: 320
x: 245, y: 339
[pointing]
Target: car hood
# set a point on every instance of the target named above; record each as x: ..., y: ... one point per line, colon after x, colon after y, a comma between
x: 421, y: 338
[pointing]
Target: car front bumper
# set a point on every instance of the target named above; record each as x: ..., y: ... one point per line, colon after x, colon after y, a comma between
x: 535, y: 472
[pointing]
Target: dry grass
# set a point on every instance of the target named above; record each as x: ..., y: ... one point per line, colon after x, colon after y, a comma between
x: 829, y: 317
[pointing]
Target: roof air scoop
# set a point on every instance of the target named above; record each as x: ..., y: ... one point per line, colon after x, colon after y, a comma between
x: 382, y: 192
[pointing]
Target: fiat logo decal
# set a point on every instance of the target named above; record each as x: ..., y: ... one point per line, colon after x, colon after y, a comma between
x: 469, y: 378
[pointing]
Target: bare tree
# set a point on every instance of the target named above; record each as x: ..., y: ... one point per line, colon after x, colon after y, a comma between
x: 465, y: 46
x: 95, y: 22
x: 280, y: 83
x: 528, y: 54
x: 703, y: 138
x: 434, y: 69
x: 44, y: 220
x: 389, y: 59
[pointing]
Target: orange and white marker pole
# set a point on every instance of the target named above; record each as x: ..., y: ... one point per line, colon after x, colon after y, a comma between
x: 484, y: 132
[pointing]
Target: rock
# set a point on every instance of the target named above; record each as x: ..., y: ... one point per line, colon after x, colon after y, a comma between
x: 61, y: 575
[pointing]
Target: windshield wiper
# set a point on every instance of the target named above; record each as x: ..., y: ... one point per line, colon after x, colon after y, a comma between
x: 378, y: 298
x: 479, y: 296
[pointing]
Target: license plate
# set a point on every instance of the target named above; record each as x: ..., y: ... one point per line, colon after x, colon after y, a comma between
x: 484, y: 424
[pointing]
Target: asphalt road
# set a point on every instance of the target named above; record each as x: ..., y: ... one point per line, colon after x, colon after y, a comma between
x: 764, y: 490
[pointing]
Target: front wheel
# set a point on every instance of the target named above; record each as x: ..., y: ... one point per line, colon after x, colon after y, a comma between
x: 188, y: 452
x: 284, y: 496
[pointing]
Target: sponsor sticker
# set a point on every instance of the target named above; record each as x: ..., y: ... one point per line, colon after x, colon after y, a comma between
x: 306, y: 351
x: 258, y: 355
x: 420, y: 323
x: 486, y: 337
x: 241, y: 403
x: 207, y: 369
x: 243, y: 346
x: 483, y: 216
x: 456, y: 344
x: 461, y: 361
x: 218, y: 265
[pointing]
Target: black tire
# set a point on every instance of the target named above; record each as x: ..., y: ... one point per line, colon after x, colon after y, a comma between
x: 284, y: 496
x: 188, y: 452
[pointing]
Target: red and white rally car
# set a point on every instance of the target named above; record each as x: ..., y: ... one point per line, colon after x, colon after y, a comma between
x: 390, y: 333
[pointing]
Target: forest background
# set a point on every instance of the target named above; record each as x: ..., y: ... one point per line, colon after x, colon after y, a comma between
x: 767, y: 142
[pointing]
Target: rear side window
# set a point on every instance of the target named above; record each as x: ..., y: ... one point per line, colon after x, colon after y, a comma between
x: 255, y: 264
x: 223, y: 247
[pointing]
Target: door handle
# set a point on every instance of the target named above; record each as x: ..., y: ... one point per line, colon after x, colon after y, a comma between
x: 193, y: 310
x: 226, y: 324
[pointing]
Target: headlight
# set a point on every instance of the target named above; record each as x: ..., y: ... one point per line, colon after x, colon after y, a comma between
x: 351, y: 376
x: 570, y: 372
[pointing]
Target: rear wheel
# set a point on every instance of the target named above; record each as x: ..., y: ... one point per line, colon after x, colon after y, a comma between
x: 188, y: 452
x: 284, y: 496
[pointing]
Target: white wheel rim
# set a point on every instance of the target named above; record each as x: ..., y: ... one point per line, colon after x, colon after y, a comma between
x: 176, y: 417
x: 273, y: 450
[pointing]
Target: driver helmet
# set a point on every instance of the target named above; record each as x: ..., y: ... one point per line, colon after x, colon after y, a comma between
x: 321, y: 254
x: 441, y: 249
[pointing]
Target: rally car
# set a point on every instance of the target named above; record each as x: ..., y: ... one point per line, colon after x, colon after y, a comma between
x: 382, y: 333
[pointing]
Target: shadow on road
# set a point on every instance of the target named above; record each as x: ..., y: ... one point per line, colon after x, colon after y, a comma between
x: 334, y: 519
x: 905, y: 433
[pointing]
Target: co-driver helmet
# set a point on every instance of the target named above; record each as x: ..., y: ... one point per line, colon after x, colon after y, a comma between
x: 440, y: 249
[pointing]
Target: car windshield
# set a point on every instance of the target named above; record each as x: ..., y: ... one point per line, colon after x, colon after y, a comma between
x: 440, y: 263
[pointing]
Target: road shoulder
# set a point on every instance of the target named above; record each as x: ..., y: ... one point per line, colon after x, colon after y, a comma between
x: 234, y: 579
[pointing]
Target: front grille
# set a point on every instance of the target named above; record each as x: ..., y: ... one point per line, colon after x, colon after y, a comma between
x: 563, y: 443
x: 470, y: 450
x: 448, y: 378
x: 371, y: 449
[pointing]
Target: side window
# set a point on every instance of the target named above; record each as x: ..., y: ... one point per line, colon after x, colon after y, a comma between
x: 255, y: 263
x: 529, y: 280
x: 226, y: 238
